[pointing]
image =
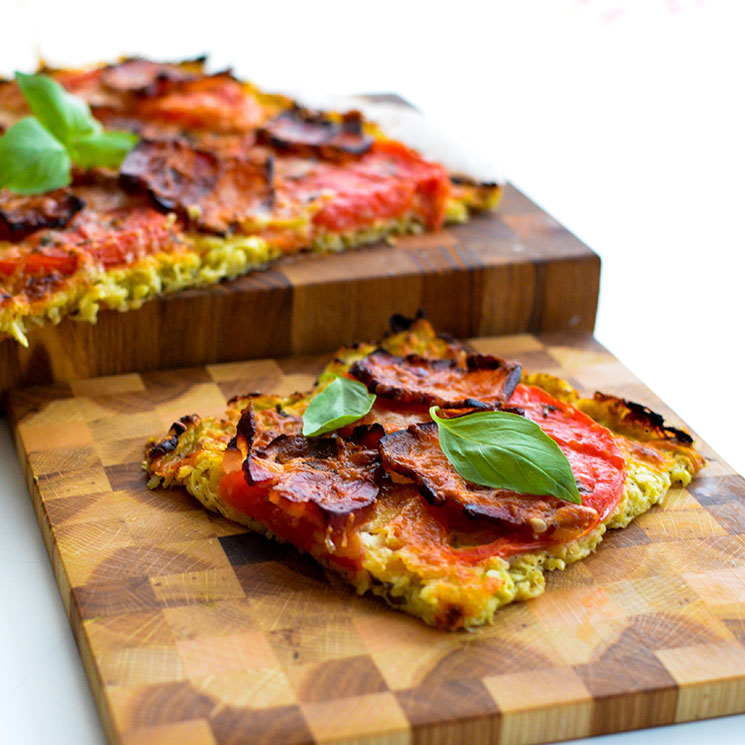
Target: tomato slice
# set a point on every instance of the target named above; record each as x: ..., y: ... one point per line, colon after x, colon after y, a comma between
x: 253, y: 501
x: 121, y: 237
x: 39, y: 260
x: 301, y: 525
x: 388, y: 182
x: 8, y: 265
x: 50, y: 260
x: 238, y: 494
x: 593, y: 452
x: 114, y: 238
x: 217, y: 102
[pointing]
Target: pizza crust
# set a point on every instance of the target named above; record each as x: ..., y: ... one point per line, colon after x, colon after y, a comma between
x: 204, y: 260
x: 445, y: 597
x: 74, y: 261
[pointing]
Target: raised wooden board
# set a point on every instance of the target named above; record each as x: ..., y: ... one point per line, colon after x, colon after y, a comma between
x: 193, y: 631
x: 513, y: 271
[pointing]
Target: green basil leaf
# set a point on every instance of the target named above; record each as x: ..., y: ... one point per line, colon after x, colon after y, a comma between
x: 506, y: 451
x: 31, y: 160
x: 340, y: 403
x: 66, y: 116
x: 37, y: 153
x: 105, y: 149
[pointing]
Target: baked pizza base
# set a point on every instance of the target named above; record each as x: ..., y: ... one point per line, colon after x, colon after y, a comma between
x: 448, y: 597
x: 117, y: 239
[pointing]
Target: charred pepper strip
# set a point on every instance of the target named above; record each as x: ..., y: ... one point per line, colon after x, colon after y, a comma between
x: 22, y: 215
x: 483, y: 383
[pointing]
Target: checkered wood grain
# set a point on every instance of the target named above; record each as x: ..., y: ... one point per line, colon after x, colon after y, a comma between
x: 508, y: 272
x: 193, y: 631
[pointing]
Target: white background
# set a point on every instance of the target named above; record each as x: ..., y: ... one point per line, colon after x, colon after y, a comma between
x: 622, y: 119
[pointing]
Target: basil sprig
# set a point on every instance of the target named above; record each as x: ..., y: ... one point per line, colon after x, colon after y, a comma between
x: 37, y: 153
x: 340, y: 403
x: 506, y: 451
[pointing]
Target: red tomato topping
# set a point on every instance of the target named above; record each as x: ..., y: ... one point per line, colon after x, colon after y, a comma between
x: 446, y: 536
x: 8, y: 263
x: 596, y: 459
x: 253, y: 501
x: 115, y: 238
x: 49, y: 259
x: 238, y: 494
x: 121, y: 237
x: 390, y: 181
x: 443, y: 534
x: 218, y: 102
x: 41, y: 260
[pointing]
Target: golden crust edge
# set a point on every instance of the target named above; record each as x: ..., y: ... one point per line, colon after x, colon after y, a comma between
x: 205, y: 261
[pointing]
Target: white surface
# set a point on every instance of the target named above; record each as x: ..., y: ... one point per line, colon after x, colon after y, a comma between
x: 622, y: 119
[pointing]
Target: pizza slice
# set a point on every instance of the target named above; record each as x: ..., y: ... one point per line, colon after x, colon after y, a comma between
x: 377, y: 499
x: 223, y: 180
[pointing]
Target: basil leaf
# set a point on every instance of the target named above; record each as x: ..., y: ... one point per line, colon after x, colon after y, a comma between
x: 506, y: 451
x: 341, y: 402
x: 105, y: 149
x: 66, y: 116
x: 31, y: 160
x: 36, y: 154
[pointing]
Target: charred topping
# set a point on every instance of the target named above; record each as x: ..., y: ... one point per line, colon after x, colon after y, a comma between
x: 310, y: 133
x: 545, y: 516
x: 181, y: 425
x: 288, y: 447
x: 283, y: 448
x: 367, y: 435
x: 169, y: 444
x: 245, y: 432
x: 38, y: 286
x: 484, y: 362
x: 438, y: 382
x: 144, y: 77
x: 451, y: 616
x: 472, y: 403
x: 163, y: 447
x: 489, y: 362
x: 172, y: 173
x: 513, y: 409
x: 635, y: 414
x: 399, y: 322
x: 21, y: 215
x: 394, y: 442
x: 462, y: 180
x: 338, y: 476
x: 416, y: 454
x: 213, y: 192
x: 242, y: 397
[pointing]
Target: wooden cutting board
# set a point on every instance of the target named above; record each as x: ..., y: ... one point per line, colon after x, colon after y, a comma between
x: 512, y: 271
x: 193, y: 631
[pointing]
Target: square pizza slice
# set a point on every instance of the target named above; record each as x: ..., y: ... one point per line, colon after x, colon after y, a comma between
x: 224, y: 179
x: 378, y: 500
